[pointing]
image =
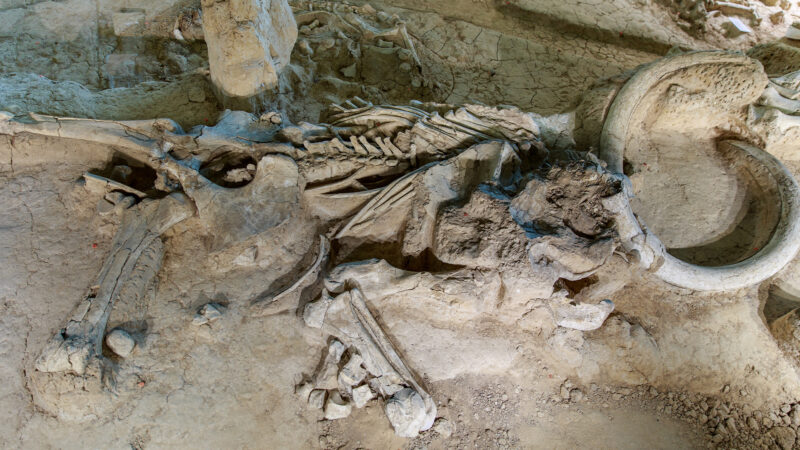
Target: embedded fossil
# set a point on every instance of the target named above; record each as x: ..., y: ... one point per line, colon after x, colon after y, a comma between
x: 402, y: 184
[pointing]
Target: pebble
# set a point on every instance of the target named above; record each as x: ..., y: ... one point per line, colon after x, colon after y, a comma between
x: 443, y: 427
x: 730, y: 424
x: 565, y: 392
x: 120, y: 342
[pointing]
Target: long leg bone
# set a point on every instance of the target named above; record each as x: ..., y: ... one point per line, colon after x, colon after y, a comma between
x: 135, y: 258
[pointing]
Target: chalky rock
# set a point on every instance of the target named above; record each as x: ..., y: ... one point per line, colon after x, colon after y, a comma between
x: 362, y: 395
x: 406, y: 412
x: 336, y: 407
x: 581, y: 316
x: 793, y: 32
x: 207, y: 314
x: 316, y: 400
x: 249, y: 42
x: 353, y: 372
x: 120, y: 342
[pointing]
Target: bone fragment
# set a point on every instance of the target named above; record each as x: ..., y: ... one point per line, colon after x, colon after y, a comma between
x: 362, y: 395
x: 336, y: 407
x: 581, y: 316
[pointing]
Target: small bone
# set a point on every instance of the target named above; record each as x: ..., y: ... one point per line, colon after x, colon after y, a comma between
x: 773, y: 98
x: 352, y: 373
x: 207, y: 314
x: 362, y: 395
x: 316, y: 400
x: 102, y: 185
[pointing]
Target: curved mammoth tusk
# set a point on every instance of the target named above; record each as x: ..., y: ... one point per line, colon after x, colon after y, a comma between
x: 782, y: 247
x: 629, y: 113
x: 626, y: 111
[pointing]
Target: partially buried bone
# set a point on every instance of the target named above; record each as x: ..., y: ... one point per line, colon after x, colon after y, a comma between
x: 264, y: 203
x: 410, y: 408
x: 135, y: 258
x: 138, y: 138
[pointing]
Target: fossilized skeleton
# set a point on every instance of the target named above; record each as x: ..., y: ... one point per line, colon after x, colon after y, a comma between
x: 405, y: 184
